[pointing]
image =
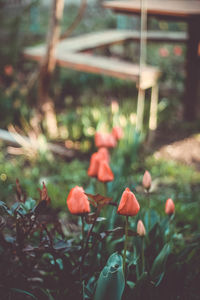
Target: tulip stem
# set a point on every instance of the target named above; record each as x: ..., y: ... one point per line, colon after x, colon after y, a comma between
x: 125, y: 247
x: 82, y: 245
x: 149, y: 211
x: 88, y: 238
x: 82, y: 230
x: 143, y: 263
x: 104, y: 189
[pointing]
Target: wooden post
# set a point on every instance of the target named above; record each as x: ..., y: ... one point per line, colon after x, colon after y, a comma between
x: 153, y: 108
x: 153, y: 114
x: 192, y: 70
x: 45, y: 103
x: 140, y: 109
x: 143, y: 41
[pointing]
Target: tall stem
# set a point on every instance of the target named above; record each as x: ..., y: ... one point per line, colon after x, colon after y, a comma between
x: 105, y: 189
x: 87, y: 239
x: 82, y: 248
x: 149, y: 211
x: 143, y: 262
x: 125, y: 247
x: 82, y: 230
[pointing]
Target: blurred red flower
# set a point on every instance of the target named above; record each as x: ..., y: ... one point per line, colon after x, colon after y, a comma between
x: 105, y: 153
x: 177, y: 51
x: 8, y: 70
x: 163, y: 52
x: 94, y: 164
x: 104, y: 140
x: 105, y: 173
x: 117, y: 132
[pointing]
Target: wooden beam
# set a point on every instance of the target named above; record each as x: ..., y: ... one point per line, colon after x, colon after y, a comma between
x: 180, y: 9
x: 107, y: 38
x: 192, y: 98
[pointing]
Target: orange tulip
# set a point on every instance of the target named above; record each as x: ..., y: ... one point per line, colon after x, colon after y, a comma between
x: 77, y: 201
x: 105, y: 154
x: 104, y: 140
x: 128, y: 205
x: 146, y: 181
x: 8, y: 69
x: 169, y: 207
x: 177, y: 51
x: 140, y: 228
x: 94, y: 164
x: 110, y: 141
x: 105, y: 173
x: 117, y: 132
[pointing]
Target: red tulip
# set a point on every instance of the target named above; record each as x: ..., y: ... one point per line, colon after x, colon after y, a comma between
x: 117, y: 132
x: 177, y: 51
x: 8, y: 69
x: 104, y: 140
x: 77, y: 201
x: 163, y: 52
x: 169, y: 207
x: 110, y: 141
x: 105, y: 173
x: 140, y: 228
x: 105, y: 153
x: 128, y: 205
x: 94, y: 164
x: 146, y: 181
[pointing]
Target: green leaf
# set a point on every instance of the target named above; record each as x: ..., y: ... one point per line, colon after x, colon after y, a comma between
x: 47, y: 292
x: 158, y: 267
x: 24, y: 292
x: 88, y: 290
x: 131, y: 284
x: 140, y: 286
x: 111, y: 283
x: 29, y: 204
x: 15, y: 206
x: 5, y: 208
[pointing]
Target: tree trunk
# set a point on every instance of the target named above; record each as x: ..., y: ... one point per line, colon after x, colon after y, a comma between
x: 45, y: 103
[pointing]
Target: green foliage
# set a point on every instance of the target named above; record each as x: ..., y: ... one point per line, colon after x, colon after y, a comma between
x: 110, y: 284
x: 58, y: 175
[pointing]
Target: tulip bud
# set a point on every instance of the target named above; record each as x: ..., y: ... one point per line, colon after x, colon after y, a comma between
x: 94, y: 164
x: 77, y: 201
x: 114, y: 107
x: 105, y: 153
x: 105, y: 174
x: 140, y: 228
x: 117, y: 132
x: 105, y: 140
x: 146, y: 181
x: 169, y: 207
x: 128, y: 205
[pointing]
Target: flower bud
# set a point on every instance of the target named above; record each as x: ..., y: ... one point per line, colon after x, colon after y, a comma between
x: 105, y: 173
x: 169, y: 207
x: 105, y: 140
x: 105, y: 153
x: 128, y: 205
x: 140, y: 228
x: 146, y: 181
x: 117, y: 132
x: 94, y: 164
x: 77, y: 201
